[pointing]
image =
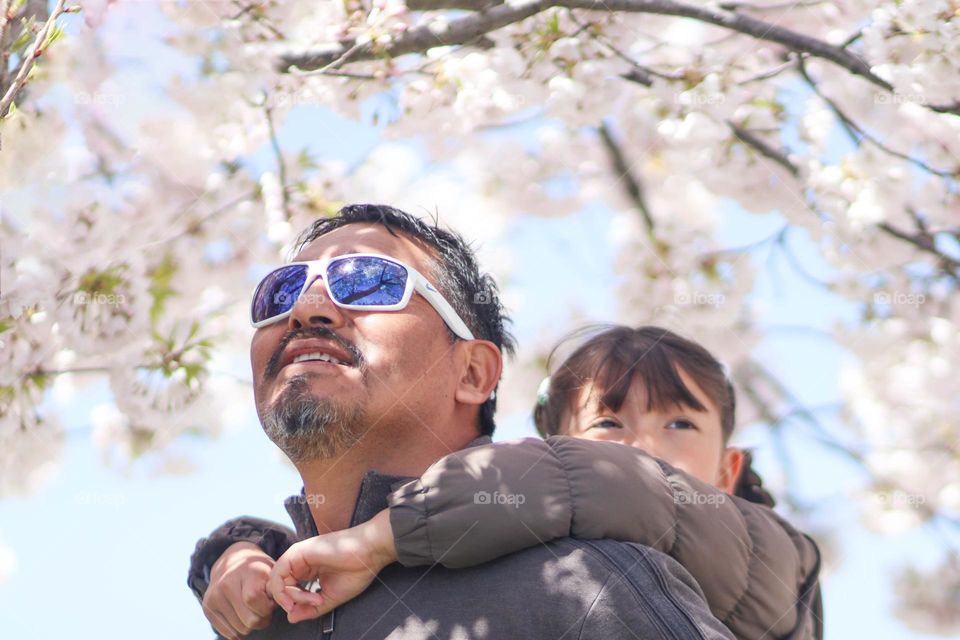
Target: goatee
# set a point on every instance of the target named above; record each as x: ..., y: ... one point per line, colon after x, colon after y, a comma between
x: 309, y: 428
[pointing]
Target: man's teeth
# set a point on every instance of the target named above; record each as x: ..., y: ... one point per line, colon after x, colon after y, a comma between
x: 323, y: 357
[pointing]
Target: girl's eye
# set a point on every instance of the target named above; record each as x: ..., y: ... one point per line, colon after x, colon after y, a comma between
x: 605, y: 423
x: 681, y: 424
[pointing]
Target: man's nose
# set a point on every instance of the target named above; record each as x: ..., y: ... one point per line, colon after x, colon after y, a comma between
x: 315, y: 308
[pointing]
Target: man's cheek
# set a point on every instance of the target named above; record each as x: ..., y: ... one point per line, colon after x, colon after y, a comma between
x: 258, y: 355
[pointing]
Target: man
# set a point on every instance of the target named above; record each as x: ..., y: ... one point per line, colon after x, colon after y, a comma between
x: 377, y: 352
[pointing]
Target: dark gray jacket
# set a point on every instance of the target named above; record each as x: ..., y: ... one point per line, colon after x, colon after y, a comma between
x: 566, y: 588
x: 758, y: 574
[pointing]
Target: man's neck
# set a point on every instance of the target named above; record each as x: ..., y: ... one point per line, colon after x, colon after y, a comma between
x: 331, y: 485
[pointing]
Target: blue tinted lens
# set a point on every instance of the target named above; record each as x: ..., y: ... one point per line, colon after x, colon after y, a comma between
x: 278, y: 292
x: 366, y: 281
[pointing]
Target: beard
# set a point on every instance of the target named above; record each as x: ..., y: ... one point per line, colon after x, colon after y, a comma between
x: 306, y: 428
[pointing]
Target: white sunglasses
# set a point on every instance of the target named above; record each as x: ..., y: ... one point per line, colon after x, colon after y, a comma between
x: 357, y: 281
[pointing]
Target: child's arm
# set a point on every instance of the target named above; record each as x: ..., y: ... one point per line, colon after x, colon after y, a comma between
x: 488, y: 501
x: 229, y: 571
x: 271, y: 537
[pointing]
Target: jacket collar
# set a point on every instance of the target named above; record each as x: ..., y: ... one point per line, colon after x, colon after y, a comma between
x: 371, y: 500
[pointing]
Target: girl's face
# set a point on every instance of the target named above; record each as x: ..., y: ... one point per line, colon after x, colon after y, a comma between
x: 688, y: 439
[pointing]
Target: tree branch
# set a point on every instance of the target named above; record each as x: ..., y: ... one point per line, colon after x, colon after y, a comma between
x: 926, y: 244
x: 857, y: 133
x: 34, y: 52
x: 640, y: 74
x: 418, y: 39
x: 753, y: 140
x: 741, y: 23
x: 469, y: 5
x: 750, y: 372
x: 491, y: 17
x: 789, y: 4
x: 6, y: 17
x: 632, y: 184
x: 281, y: 165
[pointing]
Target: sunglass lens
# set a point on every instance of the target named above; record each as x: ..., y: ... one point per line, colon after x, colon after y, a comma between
x: 278, y: 292
x: 366, y: 281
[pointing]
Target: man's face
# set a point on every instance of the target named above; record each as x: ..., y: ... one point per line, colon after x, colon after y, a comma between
x: 398, y: 369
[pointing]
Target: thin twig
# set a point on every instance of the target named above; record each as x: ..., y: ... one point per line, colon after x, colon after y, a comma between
x: 333, y: 73
x: 769, y: 73
x: 34, y: 52
x: 467, y: 5
x: 858, y: 133
x: 632, y: 184
x: 747, y: 375
x: 767, y: 151
x: 789, y: 4
x: 281, y: 164
x: 204, y: 219
x: 5, y: 19
x: 776, y: 237
x: 640, y: 73
x: 925, y: 244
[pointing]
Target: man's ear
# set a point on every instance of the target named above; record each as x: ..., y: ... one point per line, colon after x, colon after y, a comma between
x: 482, y: 365
x: 731, y: 465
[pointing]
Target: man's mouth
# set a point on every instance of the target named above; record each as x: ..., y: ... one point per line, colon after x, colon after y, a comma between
x: 315, y: 344
x: 317, y: 357
x: 315, y: 350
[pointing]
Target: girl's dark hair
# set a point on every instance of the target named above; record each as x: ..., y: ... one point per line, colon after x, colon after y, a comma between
x: 750, y: 485
x: 612, y: 356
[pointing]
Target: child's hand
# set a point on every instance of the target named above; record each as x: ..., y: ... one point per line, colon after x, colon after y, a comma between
x: 236, y: 601
x: 345, y: 563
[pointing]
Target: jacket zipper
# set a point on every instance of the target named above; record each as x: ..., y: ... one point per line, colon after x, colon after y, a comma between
x: 326, y: 625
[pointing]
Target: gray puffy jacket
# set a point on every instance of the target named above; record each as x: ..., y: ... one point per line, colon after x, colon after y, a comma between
x: 759, y: 575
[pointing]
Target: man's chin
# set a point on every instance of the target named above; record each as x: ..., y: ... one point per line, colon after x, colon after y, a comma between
x: 319, y: 386
x: 306, y: 425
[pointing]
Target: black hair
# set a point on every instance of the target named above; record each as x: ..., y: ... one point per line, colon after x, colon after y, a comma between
x: 473, y: 294
x: 613, y: 356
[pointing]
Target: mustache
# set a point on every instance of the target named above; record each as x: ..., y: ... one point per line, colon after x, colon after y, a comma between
x: 272, y: 370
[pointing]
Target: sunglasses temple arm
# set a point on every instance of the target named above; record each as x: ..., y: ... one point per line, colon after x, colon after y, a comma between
x: 449, y: 315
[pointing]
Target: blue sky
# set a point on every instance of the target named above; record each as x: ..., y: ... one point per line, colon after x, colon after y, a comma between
x: 103, y: 552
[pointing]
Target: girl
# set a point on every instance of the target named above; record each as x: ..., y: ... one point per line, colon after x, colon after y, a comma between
x: 676, y: 487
